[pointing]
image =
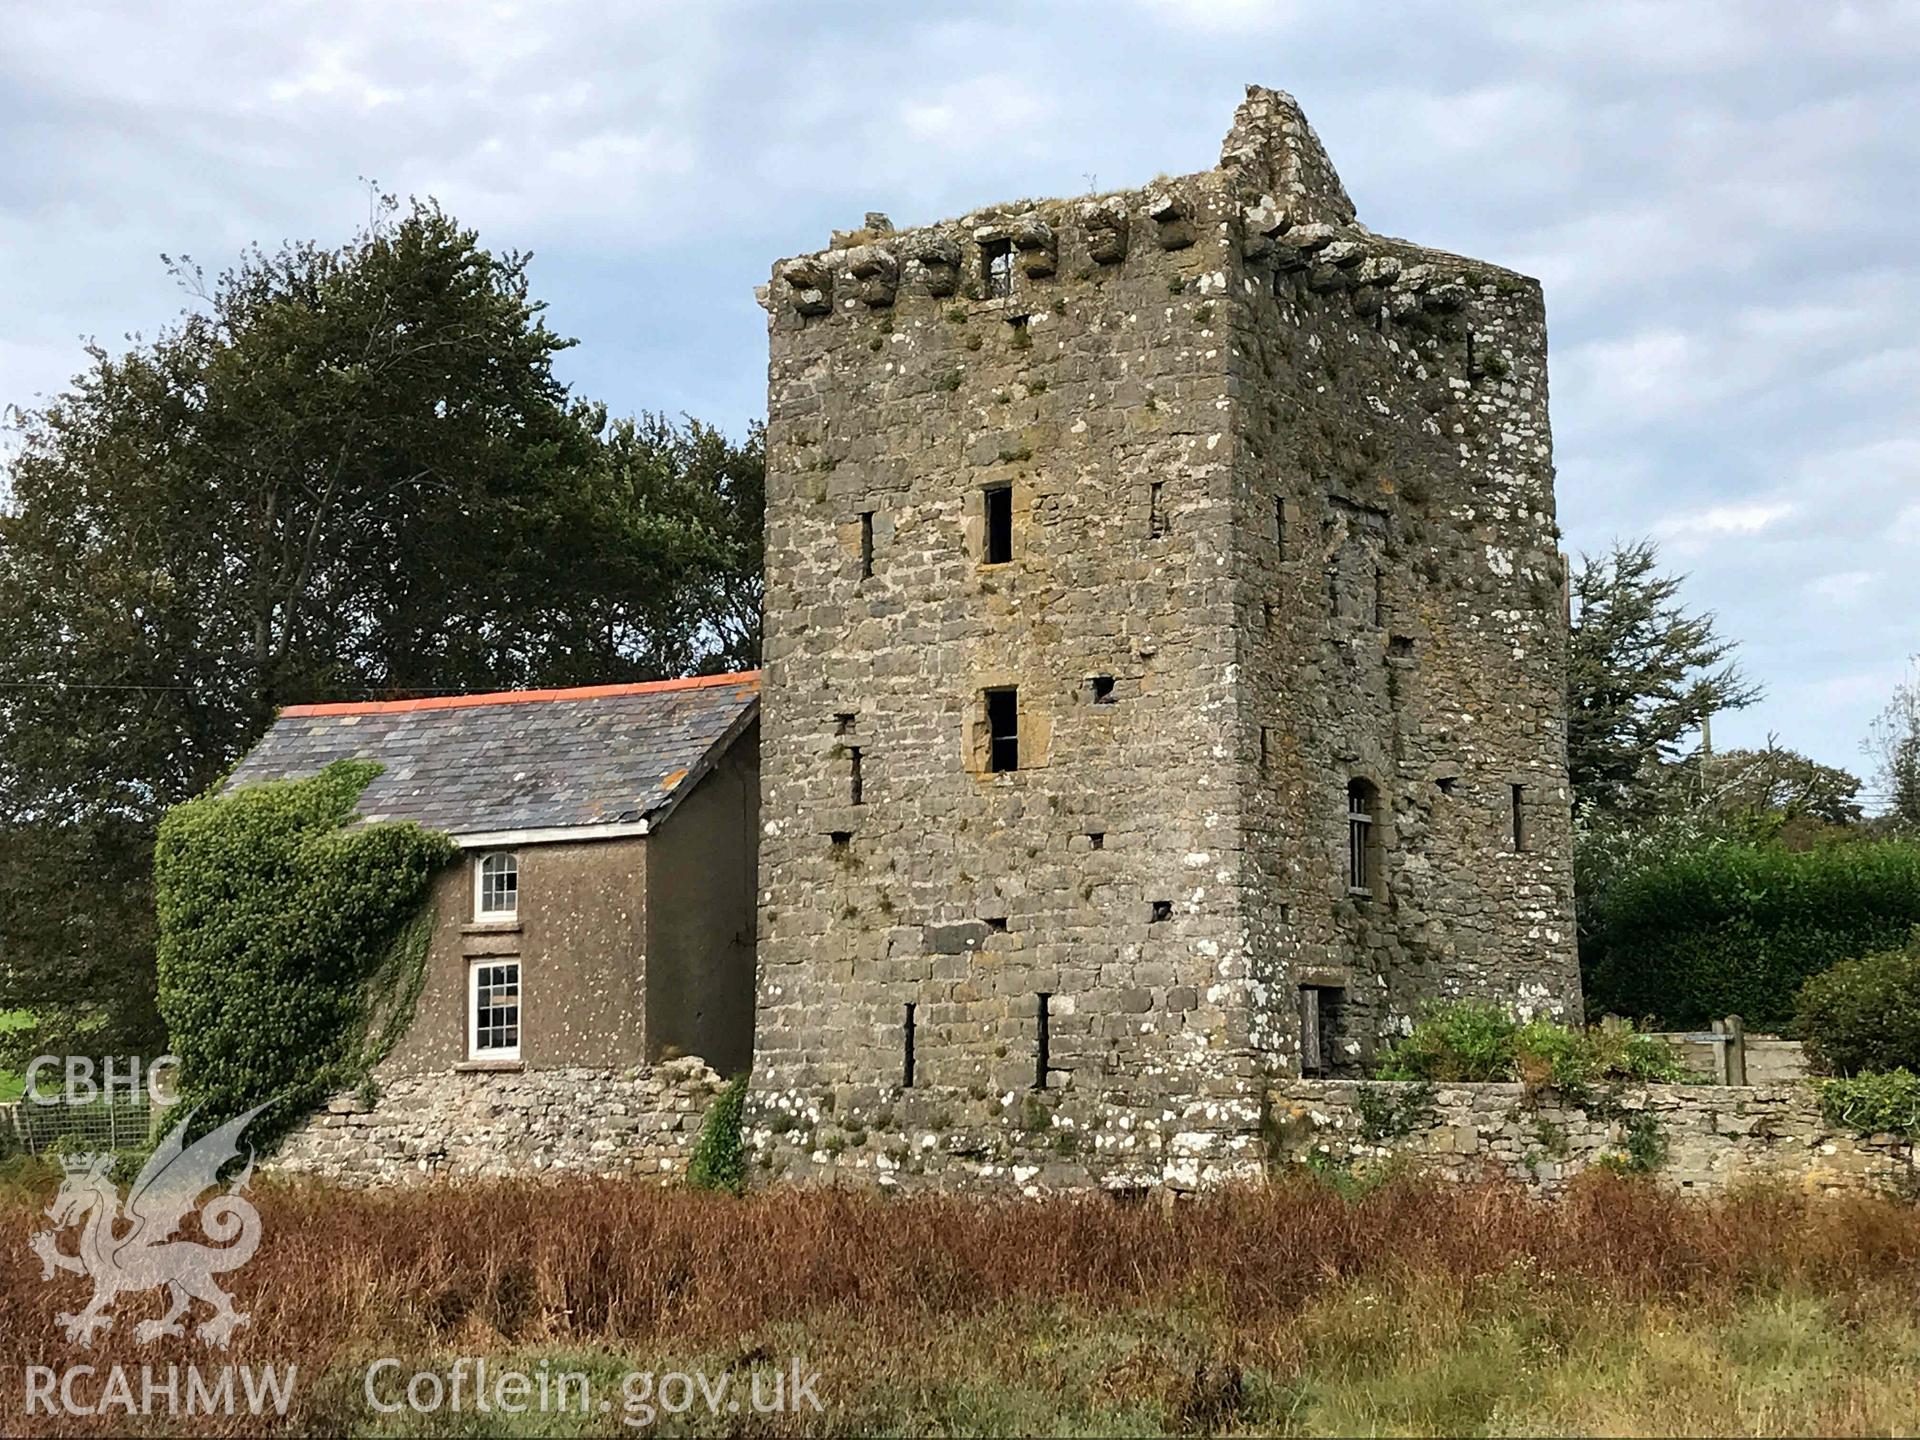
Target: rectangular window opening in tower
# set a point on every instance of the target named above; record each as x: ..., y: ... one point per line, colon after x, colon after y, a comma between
x: 998, y: 545
x: 1043, y: 1048
x: 1361, y: 861
x: 1003, y: 730
x: 1318, y: 1004
x: 996, y: 267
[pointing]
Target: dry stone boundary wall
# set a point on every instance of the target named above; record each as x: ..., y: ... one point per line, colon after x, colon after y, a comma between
x: 488, y: 1124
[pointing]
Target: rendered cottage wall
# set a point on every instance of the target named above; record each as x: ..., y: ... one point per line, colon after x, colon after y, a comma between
x: 701, y: 876
x: 630, y: 1011
x: 580, y: 937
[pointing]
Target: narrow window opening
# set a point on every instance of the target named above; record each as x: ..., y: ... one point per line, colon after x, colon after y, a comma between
x: 1318, y: 1007
x: 1286, y: 913
x: 906, y: 1078
x: 996, y: 265
x: 1266, y: 749
x: 1003, y: 730
x: 997, y: 923
x: 843, y: 722
x: 1157, y: 510
x: 866, y: 545
x: 856, y: 780
x: 1097, y: 839
x: 1162, y: 910
x: 1470, y: 375
x: 840, y: 838
x: 1280, y: 525
x: 1042, y: 1055
x: 1447, y: 783
x: 999, y: 538
x: 1519, y: 817
x: 1400, y: 647
x: 1360, y: 857
x: 1272, y: 611
x: 1379, y: 596
x: 1102, y: 688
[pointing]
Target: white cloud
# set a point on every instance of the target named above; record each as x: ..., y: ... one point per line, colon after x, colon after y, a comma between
x: 1717, y: 196
x: 1723, y: 520
x: 1241, y: 18
x: 997, y: 108
x: 1842, y: 589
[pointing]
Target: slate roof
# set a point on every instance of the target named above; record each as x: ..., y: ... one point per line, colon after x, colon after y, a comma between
x: 522, y: 759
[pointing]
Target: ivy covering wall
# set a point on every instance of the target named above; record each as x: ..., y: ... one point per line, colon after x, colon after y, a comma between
x: 292, y: 940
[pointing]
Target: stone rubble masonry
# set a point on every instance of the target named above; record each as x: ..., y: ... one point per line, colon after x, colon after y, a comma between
x: 1282, y: 520
x: 1711, y: 1137
x: 476, y: 1124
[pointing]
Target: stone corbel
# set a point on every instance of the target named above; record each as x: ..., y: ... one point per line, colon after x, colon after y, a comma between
x: 1298, y: 246
x: 938, y: 257
x: 1262, y: 222
x: 876, y: 273
x: 1034, y: 239
x: 809, y: 285
x: 1175, y: 218
x: 1106, y: 226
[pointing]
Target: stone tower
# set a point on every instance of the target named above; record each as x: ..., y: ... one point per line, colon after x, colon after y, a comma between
x: 1163, y: 687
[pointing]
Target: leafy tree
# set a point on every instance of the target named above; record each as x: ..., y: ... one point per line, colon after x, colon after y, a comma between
x: 711, y: 495
x: 342, y: 472
x: 1894, y: 742
x: 1642, y: 674
x: 1778, y: 786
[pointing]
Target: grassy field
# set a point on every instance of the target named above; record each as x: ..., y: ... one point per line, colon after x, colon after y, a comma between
x: 12, y: 1086
x: 1289, y: 1310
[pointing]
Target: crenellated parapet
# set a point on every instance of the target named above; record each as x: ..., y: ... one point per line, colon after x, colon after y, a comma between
x: 1275, y: 201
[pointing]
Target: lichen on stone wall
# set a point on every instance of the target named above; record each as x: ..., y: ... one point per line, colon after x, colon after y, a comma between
x: 462, y: 1124
x: 1240, y: 502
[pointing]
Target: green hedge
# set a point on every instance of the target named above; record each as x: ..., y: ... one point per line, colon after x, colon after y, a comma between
x: 1887, y: 1103
x: 1737, y: 930
x: 1863, y: 1015
x: 291, y: 941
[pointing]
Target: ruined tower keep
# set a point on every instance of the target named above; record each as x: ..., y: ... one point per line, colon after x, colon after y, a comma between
x: 1163, y: 691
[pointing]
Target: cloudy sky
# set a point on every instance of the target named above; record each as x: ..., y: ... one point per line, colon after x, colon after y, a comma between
x: 1723, y: 200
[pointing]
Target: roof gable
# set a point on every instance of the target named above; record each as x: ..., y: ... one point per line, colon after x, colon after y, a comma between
x: 519, y: 760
